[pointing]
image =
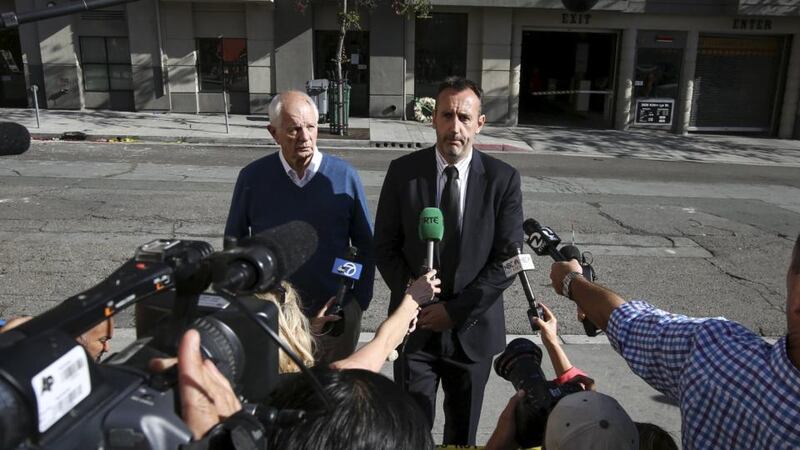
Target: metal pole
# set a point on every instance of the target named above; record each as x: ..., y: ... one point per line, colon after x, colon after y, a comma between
x: 225, y: 102
x: 35, y: 89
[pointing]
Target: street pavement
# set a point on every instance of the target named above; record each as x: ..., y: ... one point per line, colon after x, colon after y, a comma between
x: 701, y: 239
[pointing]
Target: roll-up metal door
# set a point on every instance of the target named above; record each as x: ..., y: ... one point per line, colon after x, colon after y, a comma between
x: 736, y: 83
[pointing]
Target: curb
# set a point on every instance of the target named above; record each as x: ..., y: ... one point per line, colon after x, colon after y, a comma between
x: 265, y: 142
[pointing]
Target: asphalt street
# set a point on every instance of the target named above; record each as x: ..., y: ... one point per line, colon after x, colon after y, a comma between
x: 701, y: 239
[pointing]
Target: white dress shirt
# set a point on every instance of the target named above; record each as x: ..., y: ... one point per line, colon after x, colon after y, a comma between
x: 311, y: 170
x: 463, y: 176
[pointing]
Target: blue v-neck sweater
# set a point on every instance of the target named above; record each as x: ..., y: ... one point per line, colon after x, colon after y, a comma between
x: 333, y: 202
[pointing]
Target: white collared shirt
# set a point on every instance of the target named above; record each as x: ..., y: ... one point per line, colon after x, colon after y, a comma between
x: 463, y: 176
x: 311, y: 170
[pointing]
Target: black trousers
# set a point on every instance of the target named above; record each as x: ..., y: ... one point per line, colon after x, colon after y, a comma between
x: 463, y: 382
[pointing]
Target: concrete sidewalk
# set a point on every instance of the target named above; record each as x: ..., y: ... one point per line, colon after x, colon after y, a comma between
x: 388, y: 133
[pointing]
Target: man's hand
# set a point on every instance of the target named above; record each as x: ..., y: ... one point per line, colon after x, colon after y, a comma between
x: 424, y: 288
x: 503, y: 437
x: 206, y: 395
x: 434, y: 318
x: 548, y: 325
x: 560, y: 269
x: 318, y: 322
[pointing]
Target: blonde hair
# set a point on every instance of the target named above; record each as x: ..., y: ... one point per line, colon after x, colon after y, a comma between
x: 293, y: 326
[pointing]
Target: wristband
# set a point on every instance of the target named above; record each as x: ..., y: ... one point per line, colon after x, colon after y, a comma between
x: 567, y: 282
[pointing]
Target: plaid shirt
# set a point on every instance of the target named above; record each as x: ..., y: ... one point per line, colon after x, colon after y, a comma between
x: 735, y: 390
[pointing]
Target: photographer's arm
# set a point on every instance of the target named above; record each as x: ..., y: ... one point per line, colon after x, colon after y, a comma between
x: 392, y: 331
x: 548, y: 326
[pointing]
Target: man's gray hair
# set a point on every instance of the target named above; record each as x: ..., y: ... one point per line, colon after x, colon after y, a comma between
x: 276, y: 106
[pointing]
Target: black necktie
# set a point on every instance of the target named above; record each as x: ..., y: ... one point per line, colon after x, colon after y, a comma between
x: 450, y: 204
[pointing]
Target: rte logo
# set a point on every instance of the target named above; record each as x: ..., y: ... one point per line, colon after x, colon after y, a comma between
x: 431, y: 220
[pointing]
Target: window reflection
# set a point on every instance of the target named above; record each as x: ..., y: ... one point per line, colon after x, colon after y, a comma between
x: 222, y: 64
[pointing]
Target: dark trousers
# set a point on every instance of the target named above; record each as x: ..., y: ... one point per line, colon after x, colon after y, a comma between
x: 463, y: 382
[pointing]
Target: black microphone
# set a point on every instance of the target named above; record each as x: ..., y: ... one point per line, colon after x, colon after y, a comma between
x: 14, y: 20
x: 542, y: 240
x: 259, y: 262
x: 572, y: 252
x: 348, y: 272
x: 14, y: 139
x: 518, y: 264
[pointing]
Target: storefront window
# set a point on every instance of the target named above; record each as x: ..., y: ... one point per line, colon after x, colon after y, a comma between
x: 106, y: 63
x: 441, y: 51
x: 659, y: 58
x: 222, y: 64
x: 658, y: 72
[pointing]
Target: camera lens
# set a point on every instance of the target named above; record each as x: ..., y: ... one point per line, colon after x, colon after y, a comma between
x: 219, y: 343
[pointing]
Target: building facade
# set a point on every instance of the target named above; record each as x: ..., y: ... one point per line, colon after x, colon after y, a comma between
x: 717, y: 65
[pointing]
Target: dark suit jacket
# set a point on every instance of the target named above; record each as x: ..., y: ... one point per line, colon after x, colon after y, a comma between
x: 492, y: 220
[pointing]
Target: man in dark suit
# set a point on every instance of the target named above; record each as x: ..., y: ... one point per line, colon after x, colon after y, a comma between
x: 481, y: 201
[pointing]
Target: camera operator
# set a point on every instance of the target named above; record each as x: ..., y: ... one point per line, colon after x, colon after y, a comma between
x: 369, y: 408
x: 96, y: 341
x: 735, y: 390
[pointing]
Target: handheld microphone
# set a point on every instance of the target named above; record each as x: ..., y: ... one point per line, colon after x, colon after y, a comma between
x: 14, y: 139
x: 348, y: 272
x: 544, y: 241
x: 431, y: 230
x: 517, y: 265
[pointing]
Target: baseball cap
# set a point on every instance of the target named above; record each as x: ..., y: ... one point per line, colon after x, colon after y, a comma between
x: 592, y: 421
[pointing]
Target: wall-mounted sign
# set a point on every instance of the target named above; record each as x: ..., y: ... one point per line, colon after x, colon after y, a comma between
x: 654, y: 111
x: 752, y: 24
x: 575, y: 19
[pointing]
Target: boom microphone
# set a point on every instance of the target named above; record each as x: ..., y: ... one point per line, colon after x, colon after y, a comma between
x: 13, y: 20
x: 261, y: 261
x: 14, y: 139
x: 431, y: 230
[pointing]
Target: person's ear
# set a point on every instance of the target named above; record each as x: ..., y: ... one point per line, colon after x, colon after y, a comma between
x: 481, y: 122
x: 272, y: 131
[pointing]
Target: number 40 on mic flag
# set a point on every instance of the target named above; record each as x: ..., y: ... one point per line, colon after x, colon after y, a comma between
x: 348, y: 269
x: 517, y: 264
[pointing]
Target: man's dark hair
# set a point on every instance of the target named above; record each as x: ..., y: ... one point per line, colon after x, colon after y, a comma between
x: 460, y: 84
x: 369, y: 412
x: 795, y: 264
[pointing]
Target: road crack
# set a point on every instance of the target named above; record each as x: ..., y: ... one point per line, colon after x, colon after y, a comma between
x: 758, y: 286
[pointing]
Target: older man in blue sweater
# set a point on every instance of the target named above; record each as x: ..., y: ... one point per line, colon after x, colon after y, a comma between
x: 301, y: 183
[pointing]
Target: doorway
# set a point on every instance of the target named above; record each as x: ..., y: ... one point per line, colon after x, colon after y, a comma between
x: 568, y: 78
x: 13, y: 92
x: 355, y: 67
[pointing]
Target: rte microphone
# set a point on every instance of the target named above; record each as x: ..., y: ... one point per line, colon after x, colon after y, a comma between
x: 14, y: 139
x: 348, y: 272
x: 431, y: 230
x: 517, y: 265
x: 542, y: 240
